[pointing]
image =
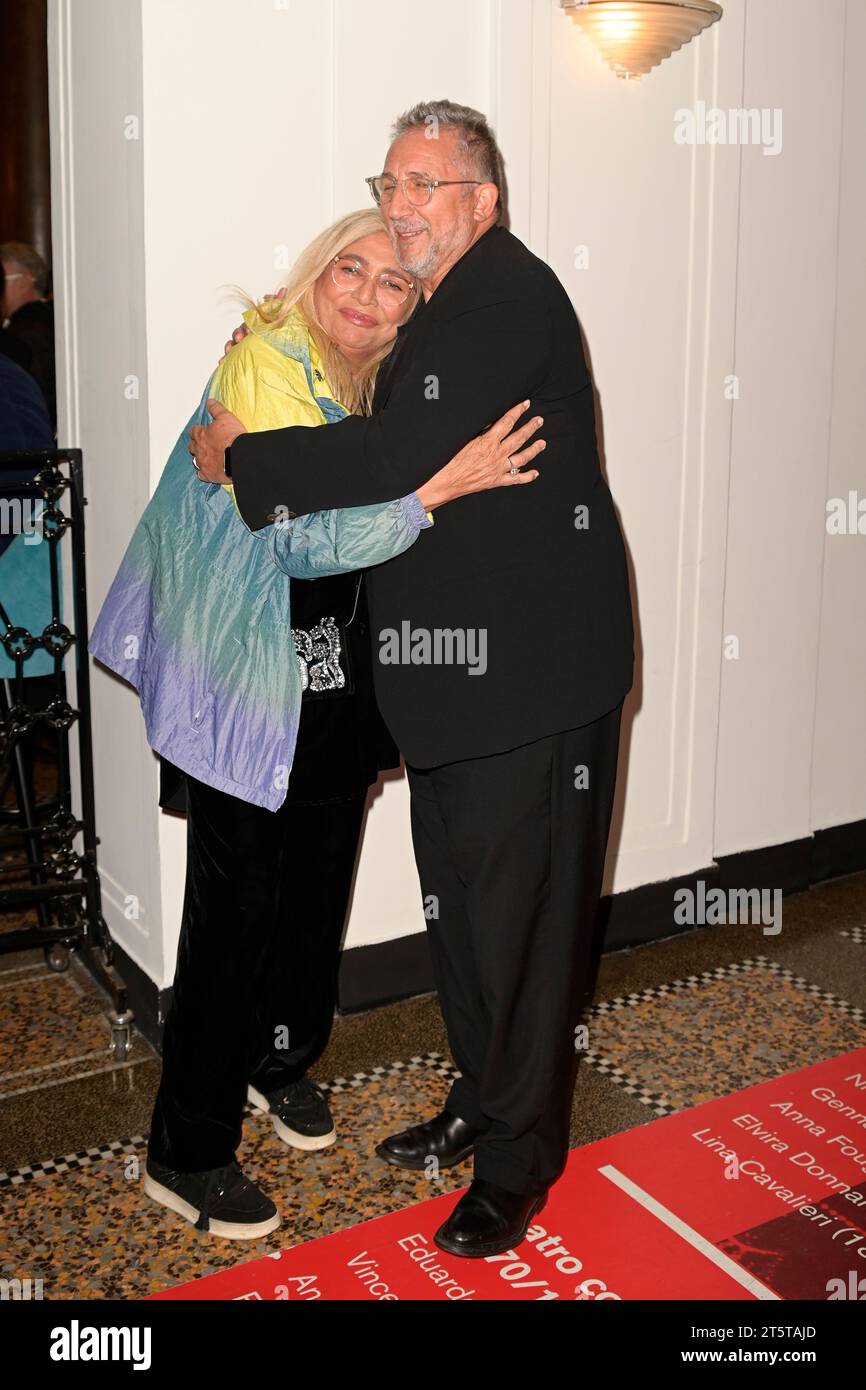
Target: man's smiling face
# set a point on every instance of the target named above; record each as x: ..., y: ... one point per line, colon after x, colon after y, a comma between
x: 428, y: 240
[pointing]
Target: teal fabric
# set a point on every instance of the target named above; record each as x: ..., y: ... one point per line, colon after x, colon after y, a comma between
x: 197, y: 618
x: 25, y: 592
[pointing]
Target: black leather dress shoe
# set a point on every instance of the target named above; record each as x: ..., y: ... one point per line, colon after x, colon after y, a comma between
x: 446, y: 1138
x: 488, y: 1220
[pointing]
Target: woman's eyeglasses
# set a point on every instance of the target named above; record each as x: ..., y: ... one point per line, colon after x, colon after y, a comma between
x: 391, y: 290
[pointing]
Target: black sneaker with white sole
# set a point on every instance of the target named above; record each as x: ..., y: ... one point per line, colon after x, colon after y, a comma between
x: 219, y: 1200
x: 300, y: 1114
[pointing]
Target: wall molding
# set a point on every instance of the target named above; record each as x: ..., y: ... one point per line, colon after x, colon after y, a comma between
x: 390, y: 971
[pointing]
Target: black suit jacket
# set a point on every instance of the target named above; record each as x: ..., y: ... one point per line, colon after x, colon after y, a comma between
x: 549, y: 598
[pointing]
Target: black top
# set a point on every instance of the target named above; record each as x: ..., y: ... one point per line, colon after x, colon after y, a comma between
x: 342, y: 739
x: 33, y: 326
x: 24, y: 424
x: 538, y: 571
x: 19, y: 352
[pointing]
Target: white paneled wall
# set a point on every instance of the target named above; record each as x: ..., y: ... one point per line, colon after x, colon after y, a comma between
x: 687, y: 264
x: 785, y: 300
x: 839, y: 748
x: 642, y: 231
x: 95, y: 85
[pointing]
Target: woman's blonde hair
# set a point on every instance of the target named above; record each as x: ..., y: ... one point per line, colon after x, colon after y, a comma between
x: 355, y: 393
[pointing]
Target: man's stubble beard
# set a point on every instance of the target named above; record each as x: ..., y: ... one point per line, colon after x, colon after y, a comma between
x: 438, y: 252
x: 422, y: 268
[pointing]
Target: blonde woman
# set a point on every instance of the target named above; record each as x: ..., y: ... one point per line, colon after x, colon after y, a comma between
x: 256, y: 688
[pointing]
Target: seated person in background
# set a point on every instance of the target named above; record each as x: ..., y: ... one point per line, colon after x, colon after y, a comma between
x: 28, y: 315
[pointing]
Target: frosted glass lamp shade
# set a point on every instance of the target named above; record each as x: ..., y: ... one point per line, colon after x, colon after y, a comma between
x: 634, y: 36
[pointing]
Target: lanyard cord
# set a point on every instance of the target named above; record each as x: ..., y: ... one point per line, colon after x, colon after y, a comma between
x: 357, y: 592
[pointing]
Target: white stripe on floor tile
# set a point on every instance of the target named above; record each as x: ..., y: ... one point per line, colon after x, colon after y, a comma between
x: 688, y: 1233
x: 52, y: 1066
x: 79, y: 1076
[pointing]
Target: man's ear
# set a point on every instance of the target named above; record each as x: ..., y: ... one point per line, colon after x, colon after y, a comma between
x: 486, y: 198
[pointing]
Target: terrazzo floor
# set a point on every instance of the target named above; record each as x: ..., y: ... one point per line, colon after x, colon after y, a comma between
x: 672, y: 1025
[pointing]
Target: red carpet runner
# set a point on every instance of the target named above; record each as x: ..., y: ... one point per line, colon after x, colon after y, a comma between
x: 761, y: 1195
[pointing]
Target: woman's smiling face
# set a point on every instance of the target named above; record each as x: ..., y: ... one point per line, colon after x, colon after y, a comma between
x: 360, y: 314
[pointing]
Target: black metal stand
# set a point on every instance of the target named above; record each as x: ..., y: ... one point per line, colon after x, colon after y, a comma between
x: 37, y: 841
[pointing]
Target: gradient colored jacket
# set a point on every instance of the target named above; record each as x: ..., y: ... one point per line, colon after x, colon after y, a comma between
x: 197, y: 618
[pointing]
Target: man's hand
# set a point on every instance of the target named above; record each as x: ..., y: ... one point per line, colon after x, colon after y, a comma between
x: 208, y: 443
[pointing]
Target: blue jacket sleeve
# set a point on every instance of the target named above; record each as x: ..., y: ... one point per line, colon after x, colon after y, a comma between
x: 351, y: 538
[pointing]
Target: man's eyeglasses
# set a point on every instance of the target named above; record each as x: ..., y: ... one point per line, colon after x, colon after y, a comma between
x: 416, y: 190
x: 391, y: 290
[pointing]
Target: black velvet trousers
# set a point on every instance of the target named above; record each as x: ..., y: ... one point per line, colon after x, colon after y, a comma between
x: 255, y: 982
x: 510, y: 851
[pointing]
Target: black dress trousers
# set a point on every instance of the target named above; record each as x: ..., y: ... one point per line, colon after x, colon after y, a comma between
x: 510, y: 851
x: 255, y: 982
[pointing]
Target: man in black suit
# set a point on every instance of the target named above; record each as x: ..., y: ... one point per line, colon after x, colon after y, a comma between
x: 505, y: 651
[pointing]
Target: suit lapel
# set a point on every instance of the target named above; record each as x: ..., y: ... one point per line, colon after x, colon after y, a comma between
x: 397, y: 357
x: 455, y: 282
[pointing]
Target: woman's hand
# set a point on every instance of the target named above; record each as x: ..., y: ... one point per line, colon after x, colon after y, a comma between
x: 492, y: 459
x: 238, y: 336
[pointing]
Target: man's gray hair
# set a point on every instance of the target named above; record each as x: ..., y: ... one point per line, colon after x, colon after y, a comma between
x: 29, y: 260
x: 477, y: 147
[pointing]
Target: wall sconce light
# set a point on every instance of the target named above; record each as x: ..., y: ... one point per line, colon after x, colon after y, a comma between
x: 634, y: 36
